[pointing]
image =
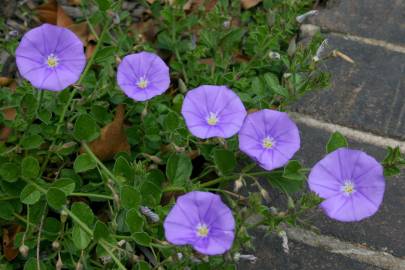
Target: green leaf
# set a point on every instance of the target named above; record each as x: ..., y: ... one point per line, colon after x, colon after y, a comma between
x: 56, y: 198
x: 285, y: 184
x: 391, y: 171
x: 81, y: 239
x: 86, y: 128
x: 141, y: 238
x: 273, y: 83
x: 337, y: 140
x: 101, y: 231
x: 103, y: 4
x: 122, y: 168
x: 393, y: 162
x: 32, y: 142
x: 224, y: 160
x: 293, y: 170
x: 83, y: 212
x: 178, y: 169
x: 84, y: 163
x: 104, y: 54
x: 142, y: 265
x: 30, y: 167
x: 45, y: 116
x: 67, y: 185
x: 6, y: 211
x: 30, y: 195
x: 151, y: 193
x: 31, y: 264
x: 171, y: 121
x: 101, y: 114
x: 134, y: 221
x: 9, y: 171
x: 130, y: 197
x: 51, y: 228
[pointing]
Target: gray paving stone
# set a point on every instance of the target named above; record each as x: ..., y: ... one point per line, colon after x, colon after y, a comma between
x: 385, y: 230
x: 378, y: 19
x: 369, y: 95
x: 301, y: 257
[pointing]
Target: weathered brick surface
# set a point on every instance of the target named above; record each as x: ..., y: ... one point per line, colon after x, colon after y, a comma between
x: 301, y: 257
x: 368, y: 95
x: 378, y: 19
x: 385, y: 230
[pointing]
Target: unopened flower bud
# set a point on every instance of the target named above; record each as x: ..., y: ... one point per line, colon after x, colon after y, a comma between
x: 147, y: 212
x: 56, y: 245
x: 63, y: 216
x: 320, y: 51
x: 13, y: 33
x: 134, y: 258
x: 274, y: 55
x: 59, y: 264
x: 290, y: 203
x: 238, y: 184
x: 265, y: 194
x: 24, y: 249
x: 182, y: 86
x: 301, y: 18
x: 79, y: 266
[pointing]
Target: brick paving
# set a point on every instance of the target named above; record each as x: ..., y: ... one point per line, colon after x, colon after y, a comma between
x: 367, y: 96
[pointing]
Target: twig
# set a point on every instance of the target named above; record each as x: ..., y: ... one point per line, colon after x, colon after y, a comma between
x: 39, y: 238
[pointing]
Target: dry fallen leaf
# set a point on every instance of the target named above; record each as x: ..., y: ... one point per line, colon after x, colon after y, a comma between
x: 9, y: 113
x: 146, y: 29
x: 75, y: 2
x: 112, y: 139
x: 9, y: 251
x: 81, y: 30
x: 51, y: 12
x: 246, y: 4
x: 193, y: 5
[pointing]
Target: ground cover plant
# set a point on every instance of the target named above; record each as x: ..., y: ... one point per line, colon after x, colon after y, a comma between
x: 146, y: 134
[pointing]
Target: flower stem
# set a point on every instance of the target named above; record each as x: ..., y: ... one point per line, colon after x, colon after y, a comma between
x: 99, y: 163
x: 72, y: 94
x: 92, y: 195
x: 106, y: 246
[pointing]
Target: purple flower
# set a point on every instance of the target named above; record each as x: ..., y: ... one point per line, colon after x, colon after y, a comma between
x: 351, y: 182
x: 270, y: 138
x: 213, y: 111
x: 202, y: 220
x: 143, y: 75
x: 50, y: 57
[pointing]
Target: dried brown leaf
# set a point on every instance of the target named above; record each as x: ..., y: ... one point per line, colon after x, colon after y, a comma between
x: 52, y: 13
x: 81, y: 30
x: 9, y: 251
x: 75, y: 2
x: 112, y: 139
x: 9, y: 113
x: 5, y: 81
x: 246, y: 4
x: 147, y: 30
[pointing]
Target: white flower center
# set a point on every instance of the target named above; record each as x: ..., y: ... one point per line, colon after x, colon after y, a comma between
x: 348, y: 188
x: 212, y: 119
x: 202, y: 230
x: 52, y: 61
x: 268, y: 142
x: 142, y: 83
